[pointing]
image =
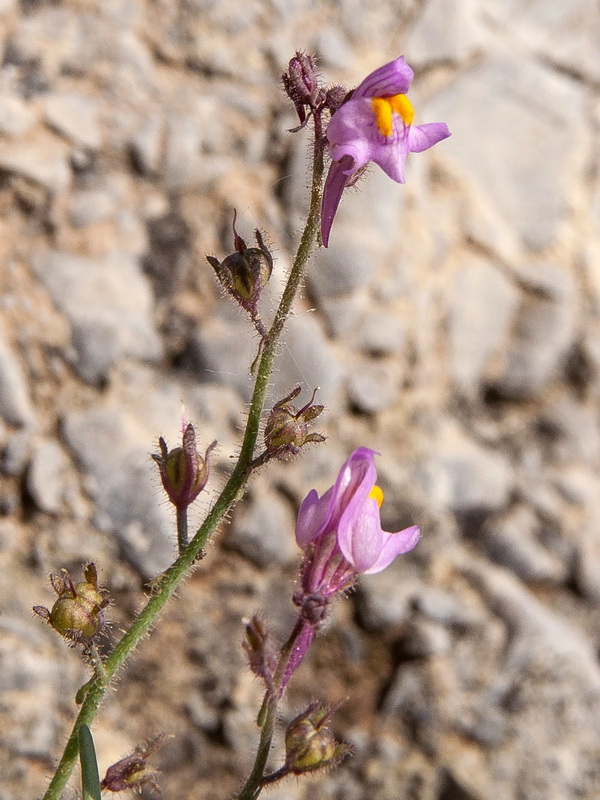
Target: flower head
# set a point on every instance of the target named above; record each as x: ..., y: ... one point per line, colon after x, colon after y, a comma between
x: 341, y: 536
x: 351, y: 510
x: 374, y: 124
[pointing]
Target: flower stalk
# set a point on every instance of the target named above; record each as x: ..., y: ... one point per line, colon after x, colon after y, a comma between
x: 268, y: 716
x: 170, y: 580
x: 340, y: 532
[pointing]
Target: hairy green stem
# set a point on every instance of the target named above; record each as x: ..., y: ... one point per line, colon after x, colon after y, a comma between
x: 169, y: 581
x: 166, y: 584
x: 255, y: 783
x: 305, y: 247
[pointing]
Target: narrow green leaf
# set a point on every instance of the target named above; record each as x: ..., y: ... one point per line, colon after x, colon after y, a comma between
x: 90, y: 779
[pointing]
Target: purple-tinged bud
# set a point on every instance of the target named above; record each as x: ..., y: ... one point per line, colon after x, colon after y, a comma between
x: 314, y: 608
x: 286, y: 430
x: 245, y: 273
x: 336, y: 97
x: 302, y: 85
x: 260, y: 651
x: 183, y: 471
x: 309, y: 744
x: 132, y: 772
x: 78, y: 613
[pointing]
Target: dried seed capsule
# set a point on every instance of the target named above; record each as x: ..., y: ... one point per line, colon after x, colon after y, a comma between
x: 78, y: 613
x: 183, y: 471
x: 309, y: 743
x: 286, y: 429
x: 246, y: 272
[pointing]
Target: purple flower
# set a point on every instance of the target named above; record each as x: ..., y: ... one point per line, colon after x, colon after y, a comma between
x: 350, y: 509
x: 375, y: 124
x: 340, y: 534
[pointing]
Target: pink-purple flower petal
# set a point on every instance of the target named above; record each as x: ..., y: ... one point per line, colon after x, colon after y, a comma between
x: 355, y: 481
x: 313, y: 516
x: 422, y: 137
x: 351, y: 123
x: 337, y: 178
x: 360, y: 536
x: 386, y: 81
x: 394, y: 544
x: 391, y: 160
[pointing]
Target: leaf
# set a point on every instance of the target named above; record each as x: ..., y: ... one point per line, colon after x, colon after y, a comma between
x: 90, y: 779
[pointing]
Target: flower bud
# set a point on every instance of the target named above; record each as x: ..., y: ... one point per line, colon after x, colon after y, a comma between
x: 245, y: 273
x: 335, y: 97
x: 132, y: 772
x: 309, y: 744
x: 260, y: 651
x: 183, y: 471
x: 286, y: 430
x: 313, y: 607
x: 302, y: 86
x: 78, y: 612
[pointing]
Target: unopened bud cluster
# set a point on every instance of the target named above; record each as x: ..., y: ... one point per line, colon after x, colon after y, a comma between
x: 78, y: 613
x: 302, y: 84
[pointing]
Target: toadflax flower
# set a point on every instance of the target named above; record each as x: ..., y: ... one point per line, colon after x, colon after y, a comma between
x: 374, y: 124
x: 351, y: 509
x: 341, y: 536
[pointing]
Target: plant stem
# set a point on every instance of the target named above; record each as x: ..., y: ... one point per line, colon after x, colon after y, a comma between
x: 255, y: 783
x: 232, y: 492
x: 167, y: 584
x: 291, y: 288
x: 182, y: 528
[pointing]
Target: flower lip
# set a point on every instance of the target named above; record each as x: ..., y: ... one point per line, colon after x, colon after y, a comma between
x: 392, y: 78
x: 397, y: 544
x: 365, y: 545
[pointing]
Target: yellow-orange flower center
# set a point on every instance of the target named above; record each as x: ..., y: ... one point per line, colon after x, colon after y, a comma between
x: 384, y: 109
x: 377, y: 495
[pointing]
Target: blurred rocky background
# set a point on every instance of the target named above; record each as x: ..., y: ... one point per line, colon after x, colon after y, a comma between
x: 453, y: 325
